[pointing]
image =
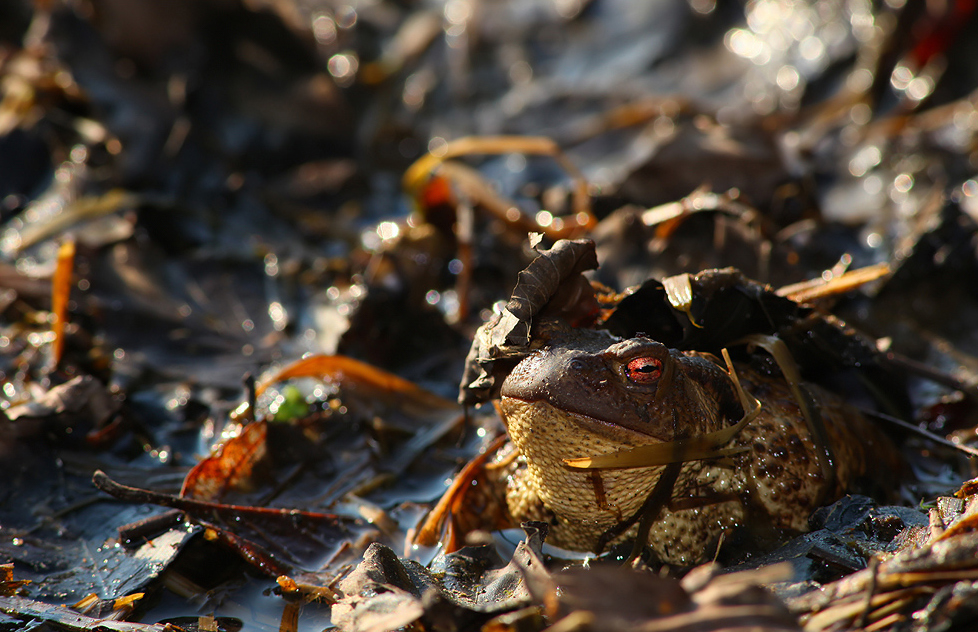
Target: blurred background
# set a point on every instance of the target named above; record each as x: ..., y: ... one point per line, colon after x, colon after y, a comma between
x: 229, y: 174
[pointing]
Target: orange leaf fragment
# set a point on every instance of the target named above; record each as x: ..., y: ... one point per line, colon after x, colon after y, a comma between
x: 441, y: 523
x: 436, y: 192
x: 8, y: 585
x: 228, y: 467
x: 60, y: 292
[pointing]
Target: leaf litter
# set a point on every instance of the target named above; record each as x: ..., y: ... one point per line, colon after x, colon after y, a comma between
x: 229, y: 174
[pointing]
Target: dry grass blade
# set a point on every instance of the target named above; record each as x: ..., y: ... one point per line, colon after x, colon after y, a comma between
x: 875, y: 599
x: 820, y: 288
x: 809, y: 408
x: 80, y: 210
x: 669, y: 216
x: 705, y: 446
x: 847, y: 610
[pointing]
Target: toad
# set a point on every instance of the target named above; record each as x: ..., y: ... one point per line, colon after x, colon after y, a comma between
x: 586, y: 393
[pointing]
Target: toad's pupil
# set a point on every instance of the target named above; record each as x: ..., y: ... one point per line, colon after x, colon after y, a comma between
x: 644, y: 370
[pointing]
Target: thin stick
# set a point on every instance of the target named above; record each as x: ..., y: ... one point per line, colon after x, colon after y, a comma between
x: 136, y: 495
x: 652, y: 507
x: 930, y: 373
x: 655, y: 501
x: 920, y: 432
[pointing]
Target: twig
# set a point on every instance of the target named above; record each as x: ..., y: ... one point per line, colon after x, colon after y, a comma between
x: 937, y: 376
x: 136, y: 495
x: 920, y: 432
x: 136, y: 532
x: 652, y: 507
x: 251, y: 391
x: 648, y: 512
x: 252, y: 553
x: 874, y: 564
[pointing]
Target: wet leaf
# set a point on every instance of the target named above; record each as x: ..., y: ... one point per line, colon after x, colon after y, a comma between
x: 27, y: 610
x: 469, y: 587
x: 81, y: 403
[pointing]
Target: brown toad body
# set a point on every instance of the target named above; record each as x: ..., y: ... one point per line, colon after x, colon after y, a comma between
x: 585, y: 394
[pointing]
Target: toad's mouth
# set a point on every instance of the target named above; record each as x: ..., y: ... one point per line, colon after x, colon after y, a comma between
x: 583, y: 418
x: 709, y: 445
x: 649, y: 451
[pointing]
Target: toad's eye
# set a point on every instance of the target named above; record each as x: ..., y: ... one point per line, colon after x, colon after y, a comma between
x: 644, y: 370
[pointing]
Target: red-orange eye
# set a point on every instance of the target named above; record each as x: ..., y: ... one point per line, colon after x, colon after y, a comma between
x: 644, y: 370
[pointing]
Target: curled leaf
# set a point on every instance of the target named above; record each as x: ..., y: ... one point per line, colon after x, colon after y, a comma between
x: 553, y: 281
